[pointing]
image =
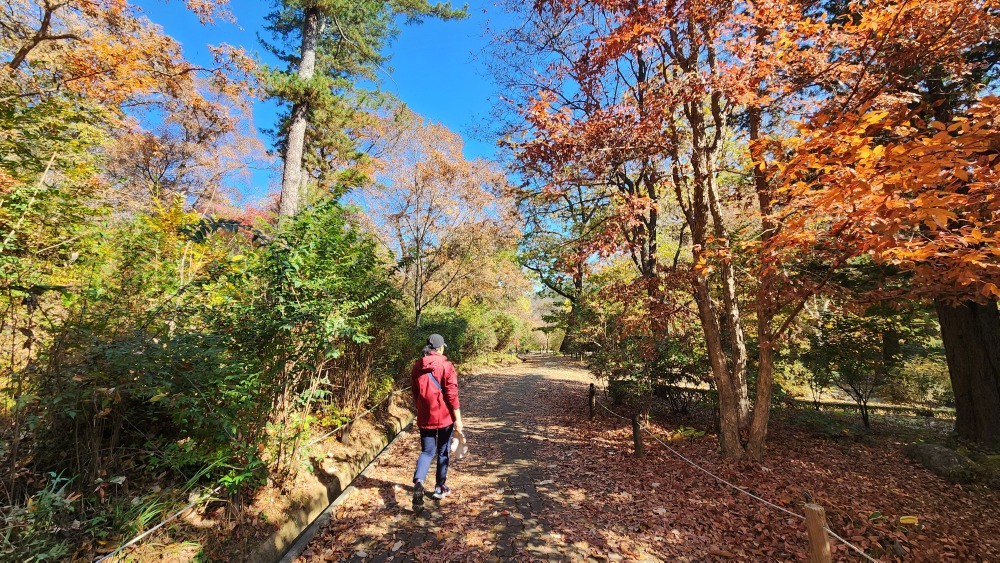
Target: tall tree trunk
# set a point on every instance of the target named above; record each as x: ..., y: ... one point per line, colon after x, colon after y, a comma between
x: 971, y: 335
x: 765, y: 390
x: 765, y: 307
x: 734, y: 322
x: 568, y: 343
x: 569, y: 339
x: 729, y: 419
x: 418, y: 290
x: 291, y: 178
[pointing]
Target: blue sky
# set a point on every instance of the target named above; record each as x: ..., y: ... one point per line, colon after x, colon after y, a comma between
x: 437, y: 68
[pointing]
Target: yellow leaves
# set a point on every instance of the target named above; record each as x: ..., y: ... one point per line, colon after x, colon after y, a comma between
x: 933, y: 210
x: 701, y: 266
x: 870, y: 153
x: 872, y: 117
x: 169, y: 218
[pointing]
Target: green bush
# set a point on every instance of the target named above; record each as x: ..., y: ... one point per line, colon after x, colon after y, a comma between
x: 447, y: 322
x: 922, y: 379
x: 206, y: 354
x: 31, y: 532
x: 638, y: 355
x: 509, y: 331
x: 472, y: 332
x: 480, y: 336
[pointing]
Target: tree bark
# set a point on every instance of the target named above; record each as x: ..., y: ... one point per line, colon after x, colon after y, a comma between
x: 734, y: 323
x: 729, y: 419
x: 971, y: 335
x: 726, y: 382
x: 765, y: 390
x: 291, y: 178
x: 418, y: 287
x: 765, y: 308
x: 569, y: 339
x: 568, y: 343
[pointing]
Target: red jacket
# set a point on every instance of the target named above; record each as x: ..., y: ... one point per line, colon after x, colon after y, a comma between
x: 434, y: 406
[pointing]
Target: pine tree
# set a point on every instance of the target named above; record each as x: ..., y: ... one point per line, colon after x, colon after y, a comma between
x: 328, y: 46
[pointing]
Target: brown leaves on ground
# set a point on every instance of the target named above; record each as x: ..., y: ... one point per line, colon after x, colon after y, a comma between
x: 598, y: 501
x: 670, y: 508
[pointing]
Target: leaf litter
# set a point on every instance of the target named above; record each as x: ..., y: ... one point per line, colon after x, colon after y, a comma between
x: 598, y: 502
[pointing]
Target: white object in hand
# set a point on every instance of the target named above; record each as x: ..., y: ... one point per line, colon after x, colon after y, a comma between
x: 458, y: 446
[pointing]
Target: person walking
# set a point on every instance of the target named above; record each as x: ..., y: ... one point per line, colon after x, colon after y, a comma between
x: 435, y: 393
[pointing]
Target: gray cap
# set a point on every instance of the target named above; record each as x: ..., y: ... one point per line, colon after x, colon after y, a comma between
x: 435, y: 341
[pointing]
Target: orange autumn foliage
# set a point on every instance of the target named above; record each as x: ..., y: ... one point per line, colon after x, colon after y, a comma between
x: 106, y: 51
x: 920, y: 196
x: 648, y: 100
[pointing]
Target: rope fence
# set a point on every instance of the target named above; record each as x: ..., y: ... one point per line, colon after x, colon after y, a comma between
x: 742, y: 490
x: 355, y: 419
x: 143, y: 535
x: 213, y: 492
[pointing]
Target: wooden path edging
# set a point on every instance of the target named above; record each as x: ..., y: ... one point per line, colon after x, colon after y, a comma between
x: 306, y: 522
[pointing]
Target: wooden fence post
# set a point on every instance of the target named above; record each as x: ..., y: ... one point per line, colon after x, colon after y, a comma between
x: 819, y: 543
x: 345, y: 434
x: 640, y: 451
x: 593, y: 401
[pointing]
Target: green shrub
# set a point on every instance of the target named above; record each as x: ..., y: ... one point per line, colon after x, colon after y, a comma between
x: 480, y: 336
x: 31, y: 532
x: 472, y: 332
x: 920, y: 380
x: 508, y: 330
x: 208, y: 351
x: 447, y: 322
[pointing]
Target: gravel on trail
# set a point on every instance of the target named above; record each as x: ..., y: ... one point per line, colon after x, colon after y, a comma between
x: 502, y: 491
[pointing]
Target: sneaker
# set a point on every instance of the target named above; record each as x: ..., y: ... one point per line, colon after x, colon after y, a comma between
x: 418, y: 494
x: 441, y: 492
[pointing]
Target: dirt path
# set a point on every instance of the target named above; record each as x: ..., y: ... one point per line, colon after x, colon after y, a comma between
x: 546, y: 483
x: 504, y: 493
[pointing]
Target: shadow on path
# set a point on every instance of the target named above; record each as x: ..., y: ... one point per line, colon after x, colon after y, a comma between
x: 503, y: 494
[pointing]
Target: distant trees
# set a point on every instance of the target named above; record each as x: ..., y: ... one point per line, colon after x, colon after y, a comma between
x: 101, y: 50
x: 193, y: 151
x: 860, y: 352
x: 557, y: 245
x: 444, y: 218
x: 77, y: 68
